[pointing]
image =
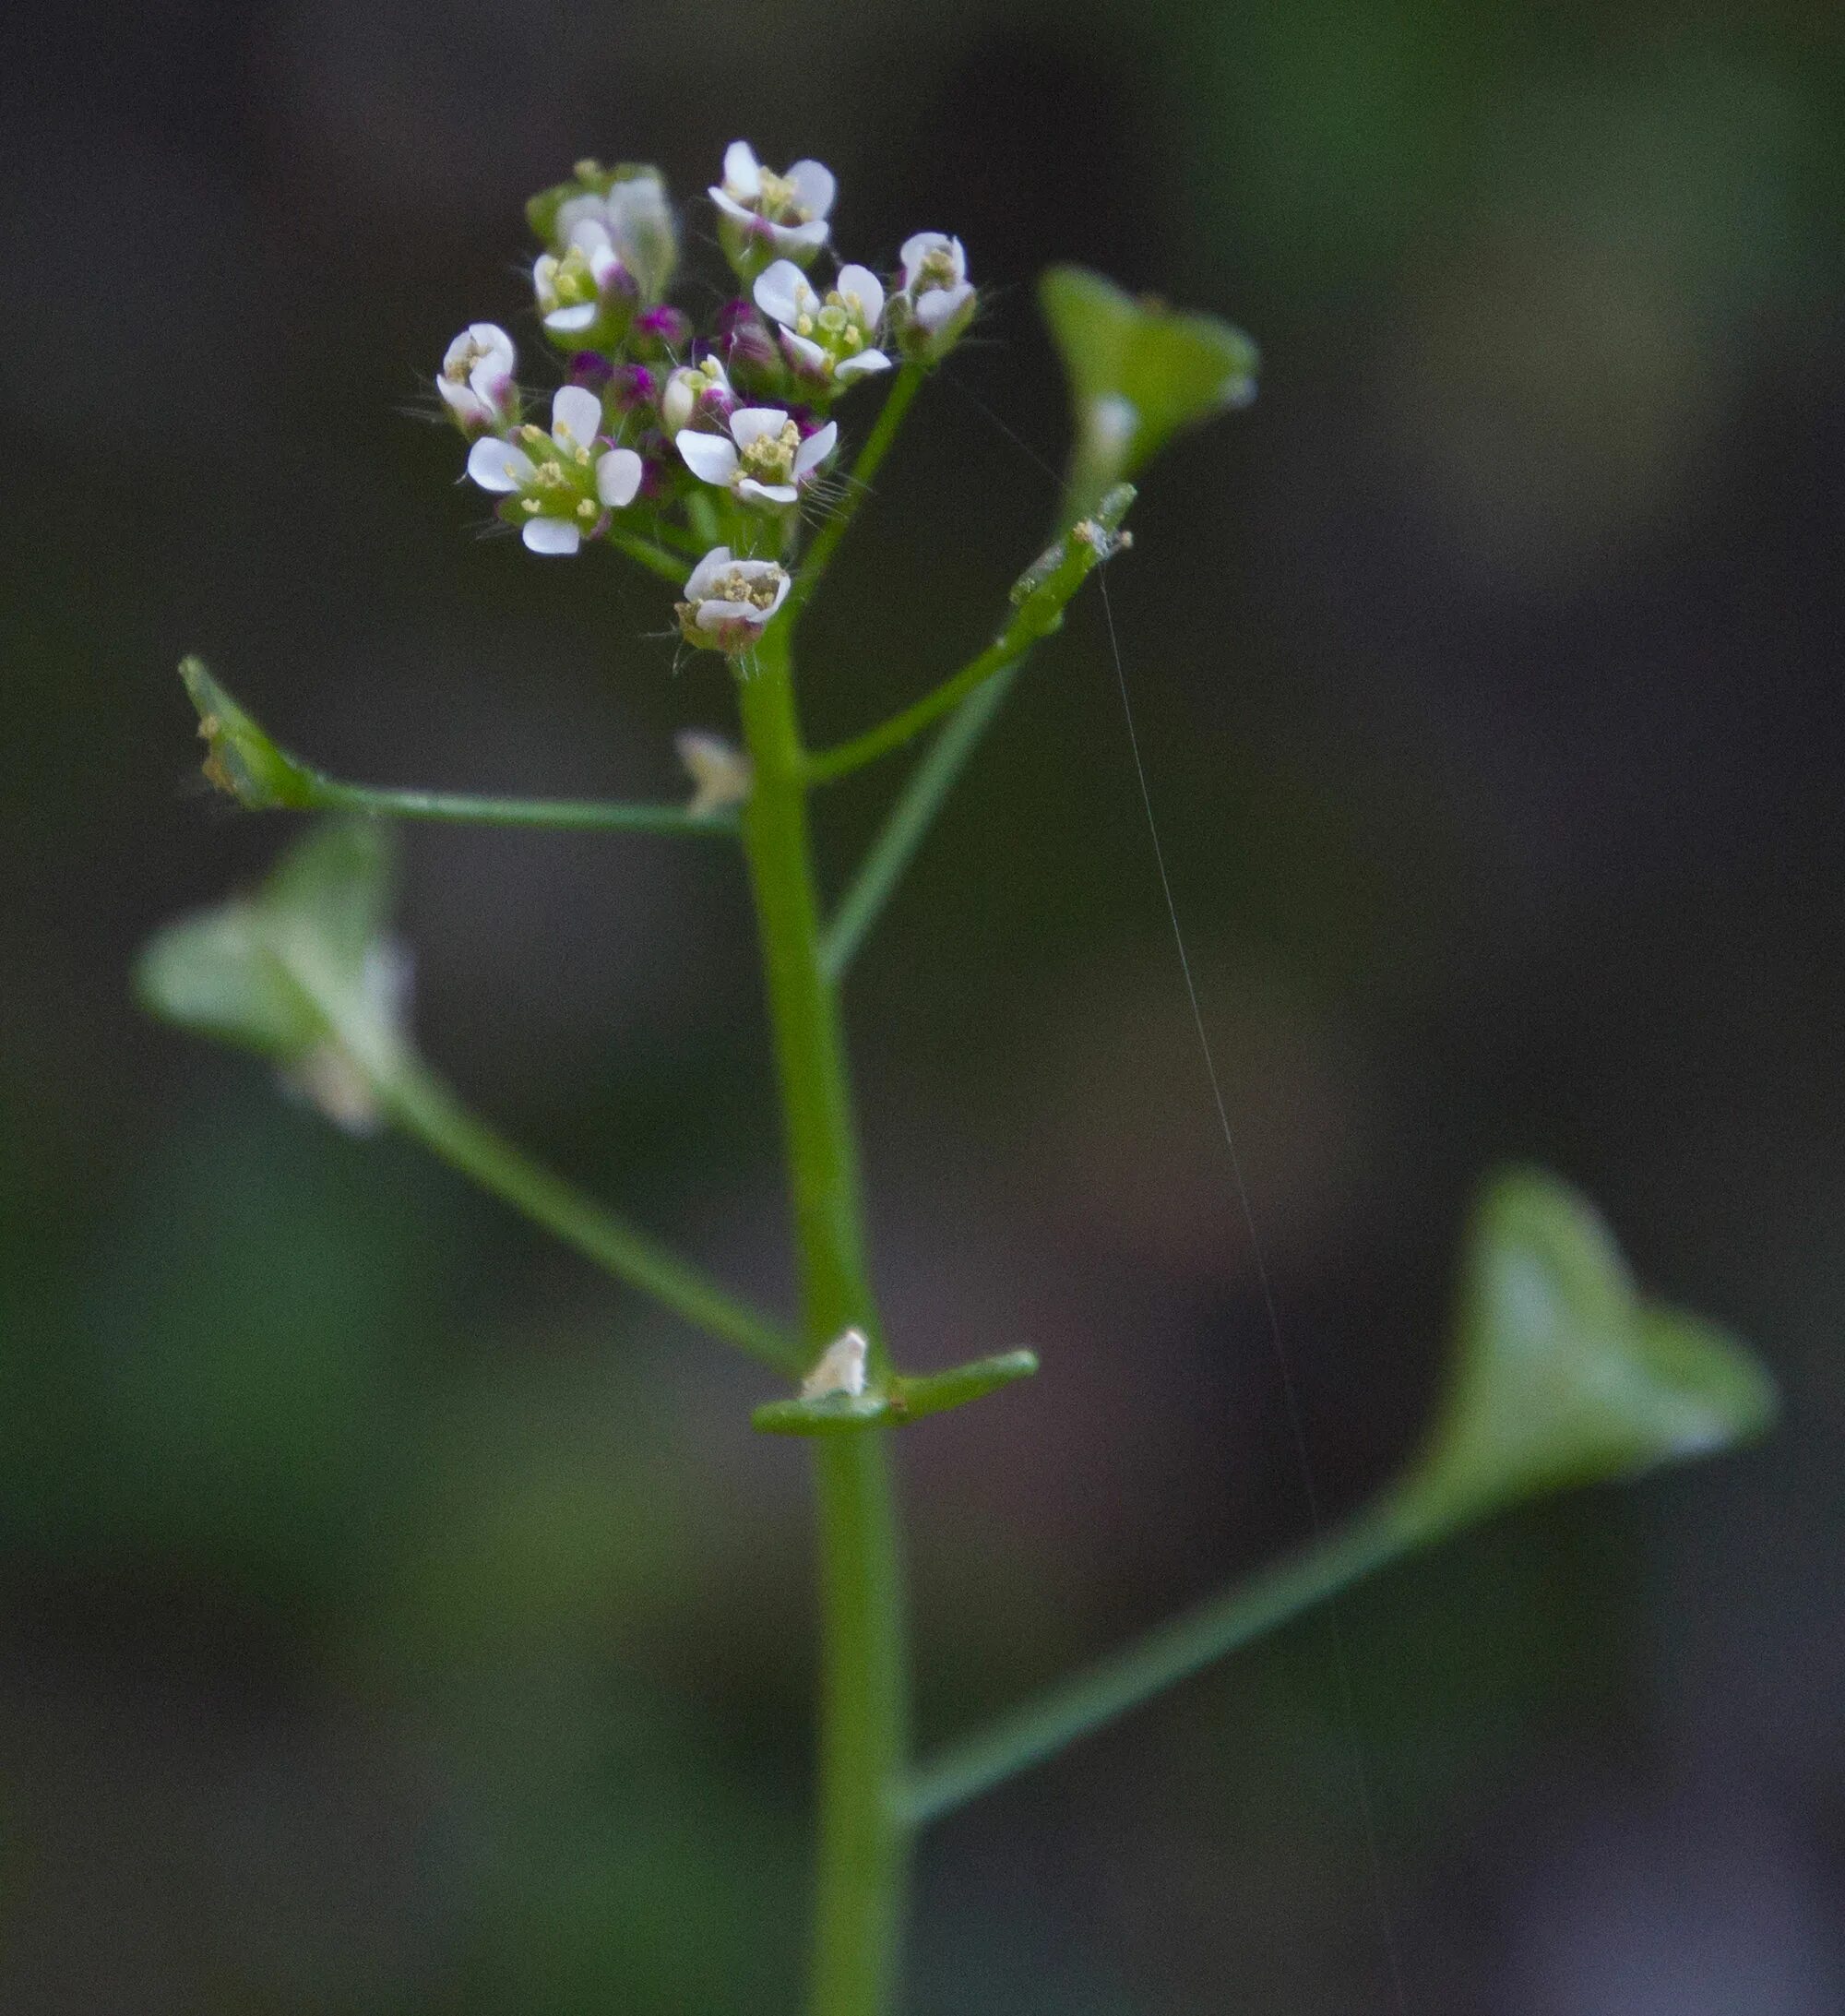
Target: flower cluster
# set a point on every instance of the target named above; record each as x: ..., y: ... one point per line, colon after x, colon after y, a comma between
x: 669, y: 439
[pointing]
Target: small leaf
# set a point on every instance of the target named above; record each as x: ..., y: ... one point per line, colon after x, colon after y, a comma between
x: 1138, y: 373
x: 935, y: 1392
x: 902, y: 1401
x: 1565, y: 1374
x: 302, y: 972
x: 241, y: 759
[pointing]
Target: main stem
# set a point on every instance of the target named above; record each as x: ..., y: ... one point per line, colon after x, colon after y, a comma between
x: 863, y: 1746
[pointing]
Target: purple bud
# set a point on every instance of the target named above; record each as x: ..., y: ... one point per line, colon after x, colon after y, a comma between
x: 663, y: 329
x: 590, y: 369
x: 745, y: 345
x: 658, y: 463
x: 632, y: 386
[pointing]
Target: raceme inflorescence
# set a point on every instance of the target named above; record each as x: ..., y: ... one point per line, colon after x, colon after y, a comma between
x: 727, y: 456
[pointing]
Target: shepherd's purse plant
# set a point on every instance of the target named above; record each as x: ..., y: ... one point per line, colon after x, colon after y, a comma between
x: 729, y: 459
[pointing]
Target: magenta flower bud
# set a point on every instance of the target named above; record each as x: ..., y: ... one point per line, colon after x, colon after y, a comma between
x: 590, y: 369
x: 633, y: 387
x: 749, y: 350
x: 665, y: 328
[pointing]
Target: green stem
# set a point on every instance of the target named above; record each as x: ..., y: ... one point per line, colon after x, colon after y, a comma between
x: 1039, y: 598
x: 858, y: 486
x: 864, y: 1847
x: 669, y: 566
x: 1171, y: 1651
x: 459, y: 808
x: 424, y: 1107
x: 846, y: 757
x: 908, y: 822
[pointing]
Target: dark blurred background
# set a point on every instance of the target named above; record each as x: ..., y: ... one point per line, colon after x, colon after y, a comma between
x: 397, y: 1619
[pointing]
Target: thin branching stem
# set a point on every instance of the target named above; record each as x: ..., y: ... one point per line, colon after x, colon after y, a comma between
x: 425, y: 1109
x: 561, y: 815
x: 1075, y: 1708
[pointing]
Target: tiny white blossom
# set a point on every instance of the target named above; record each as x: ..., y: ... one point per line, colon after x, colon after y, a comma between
x: 728, y: 603
x: 936, y: 299
x: 590, y: 287
x: 477, y: 379
x: 762, y: 214
x: 563, y: 486
x: 694, y: 392
x: 633, y: 214
x: 763, y: 460
x: 720, y: 772
x: 842, y: 1369
x: 834, y: 337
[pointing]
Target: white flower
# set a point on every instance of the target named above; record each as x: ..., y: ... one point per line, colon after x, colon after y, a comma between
x: 938, y: 301
x: 762, y: 213
x: 477, y: 379
x: 835, y: 338
x: 728, y: 603
x: 720, y: 773
x: 634, y: 217
x: 695, y: 391
x: 764, y: 460
x: 561, y: 488
x: 588, y: 291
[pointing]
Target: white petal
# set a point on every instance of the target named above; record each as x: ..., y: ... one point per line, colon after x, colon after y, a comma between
x: 464, y: 400
x: 589, y: 235
x: 860, y: 281
x: 781, y: 588
x: 749, y: 424
x: 804, y: 354
x: 568, y: 321
x: 714, y: 615
x: 916, y: 248
x: 618, y: 477
x: 814, y: 187
x: 778, y: 289
x: 860, y: 366
x: 752, y: 491
x: 493, y: 342
x: 938, y: 306
x: 708, y: 456
x: 743, y: 176
x: 550, y: 535
x: 716, y: 562
x: 815, y: 448
x: 574, y: 210
x: 499, y: 466
x: 797, y: 238
x: 576, y: 416
x: 730, y: 205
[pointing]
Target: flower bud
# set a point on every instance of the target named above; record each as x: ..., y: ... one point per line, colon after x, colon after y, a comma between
x: 748, y: 347
x: 698, y: 392
x: 661, y: 331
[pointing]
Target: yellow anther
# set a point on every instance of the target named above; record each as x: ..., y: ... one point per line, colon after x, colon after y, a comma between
x: 586, y: 509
